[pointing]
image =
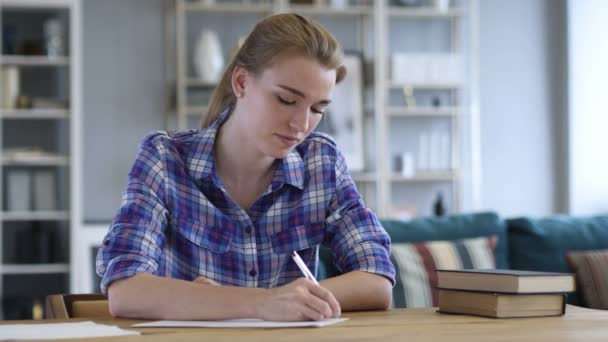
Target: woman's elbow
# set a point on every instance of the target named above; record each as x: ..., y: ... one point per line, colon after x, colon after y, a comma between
x: 118, y: 299
x: 385, y: 295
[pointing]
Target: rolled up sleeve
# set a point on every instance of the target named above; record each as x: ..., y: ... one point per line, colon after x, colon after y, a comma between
x: 136, y: 238
x: 353, y: 232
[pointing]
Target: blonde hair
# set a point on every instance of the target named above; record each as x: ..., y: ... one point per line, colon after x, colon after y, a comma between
x: 270, y: 38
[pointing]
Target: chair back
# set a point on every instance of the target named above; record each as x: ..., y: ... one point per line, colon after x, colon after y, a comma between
x: 64, y: 306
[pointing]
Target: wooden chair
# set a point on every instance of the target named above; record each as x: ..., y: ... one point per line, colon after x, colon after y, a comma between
x: 64, y: 306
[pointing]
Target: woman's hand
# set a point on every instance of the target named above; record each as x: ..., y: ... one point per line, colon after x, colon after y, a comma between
x: 300, y: 300
x: 203, y: 280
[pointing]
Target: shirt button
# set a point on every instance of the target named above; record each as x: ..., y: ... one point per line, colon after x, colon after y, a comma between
x: 253, y: 273
x: 248, y: 230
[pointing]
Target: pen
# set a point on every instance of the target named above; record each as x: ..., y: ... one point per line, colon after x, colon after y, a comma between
x: 303, y: 268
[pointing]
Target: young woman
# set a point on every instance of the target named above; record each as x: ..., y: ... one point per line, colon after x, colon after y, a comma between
x: 210, y: 217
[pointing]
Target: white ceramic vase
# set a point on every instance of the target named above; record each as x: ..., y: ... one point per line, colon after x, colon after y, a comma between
x: 208, y: 59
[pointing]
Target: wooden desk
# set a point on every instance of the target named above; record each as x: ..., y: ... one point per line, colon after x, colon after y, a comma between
x: 425, y: 324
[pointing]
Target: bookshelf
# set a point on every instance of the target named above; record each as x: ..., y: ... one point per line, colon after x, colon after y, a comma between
x: 376, y: 30
x: 39, y: 123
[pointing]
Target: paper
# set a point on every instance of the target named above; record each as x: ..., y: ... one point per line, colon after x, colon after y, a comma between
x: 60, y: 330
x: 239, y: 323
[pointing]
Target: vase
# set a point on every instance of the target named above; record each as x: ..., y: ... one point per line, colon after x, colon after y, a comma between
x: 208, y: 59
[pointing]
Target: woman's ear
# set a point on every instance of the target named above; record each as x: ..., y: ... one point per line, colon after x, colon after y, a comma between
x: 240, y: 77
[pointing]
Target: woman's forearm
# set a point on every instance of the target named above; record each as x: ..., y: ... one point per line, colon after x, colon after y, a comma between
x: 359, y: 290
x: 153, y: 297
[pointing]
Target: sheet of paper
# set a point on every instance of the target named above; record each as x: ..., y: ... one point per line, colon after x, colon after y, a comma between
x: 60, y: 330
x: 239, y: 323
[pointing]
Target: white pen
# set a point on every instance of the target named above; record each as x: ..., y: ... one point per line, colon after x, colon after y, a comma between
x: 303, y: 268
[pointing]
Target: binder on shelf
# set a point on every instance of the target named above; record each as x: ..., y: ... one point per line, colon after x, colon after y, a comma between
x: 18, y: 190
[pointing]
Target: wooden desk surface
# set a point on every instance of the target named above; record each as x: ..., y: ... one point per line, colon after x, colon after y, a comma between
x: 424, y: 324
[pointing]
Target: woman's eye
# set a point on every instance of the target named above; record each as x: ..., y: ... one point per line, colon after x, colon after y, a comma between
x: 284, y: 101
x: 317, y: 111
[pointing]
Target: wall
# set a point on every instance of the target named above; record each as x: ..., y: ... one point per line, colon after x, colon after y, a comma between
x: 522, y: 74
x: 588, y: 66
x: 123, y: 94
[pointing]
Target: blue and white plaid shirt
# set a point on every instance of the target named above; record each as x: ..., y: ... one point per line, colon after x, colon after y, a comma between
x: 176, y: 219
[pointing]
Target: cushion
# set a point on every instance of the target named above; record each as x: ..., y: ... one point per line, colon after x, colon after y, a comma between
x: 452, y: 227
x: 542, y: 244
x: 416, y: 263
x: 591, y: 269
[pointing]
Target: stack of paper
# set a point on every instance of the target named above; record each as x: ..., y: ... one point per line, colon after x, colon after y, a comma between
x: 239, y: 323
x: 51, y: 331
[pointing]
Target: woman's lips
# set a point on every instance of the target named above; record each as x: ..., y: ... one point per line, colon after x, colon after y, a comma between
x: 288, y: 140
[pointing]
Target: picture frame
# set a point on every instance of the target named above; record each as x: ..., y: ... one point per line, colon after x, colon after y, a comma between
x: 343, y: 120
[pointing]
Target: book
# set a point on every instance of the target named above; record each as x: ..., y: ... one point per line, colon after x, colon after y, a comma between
x: 501, y: 305
x: 505, y: 281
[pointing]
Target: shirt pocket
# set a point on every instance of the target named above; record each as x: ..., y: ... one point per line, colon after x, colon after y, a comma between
x: 298, y: 238
x: 203, y: 235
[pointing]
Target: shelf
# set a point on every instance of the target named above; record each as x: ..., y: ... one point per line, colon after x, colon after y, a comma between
x: 229, y: 8
x: 440, y: 86
x: 35, y: 216
x: 34, y: 114
x: 426, y: 176
x: 328, y: 10
x: 422, y: 111
x: 421, y: 12
x: 35, y: 160
x: 193, y: 82
x: 34, y: 268
x: 34, y: 60
x: 367, y: 177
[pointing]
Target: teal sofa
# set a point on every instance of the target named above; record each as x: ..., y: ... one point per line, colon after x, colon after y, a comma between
x: 538, y: 244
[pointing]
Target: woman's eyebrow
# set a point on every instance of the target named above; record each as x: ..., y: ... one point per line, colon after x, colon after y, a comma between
x: 301, y: 94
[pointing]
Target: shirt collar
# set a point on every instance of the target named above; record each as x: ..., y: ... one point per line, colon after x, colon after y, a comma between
x: 201, y: 158
x: 201, y: 155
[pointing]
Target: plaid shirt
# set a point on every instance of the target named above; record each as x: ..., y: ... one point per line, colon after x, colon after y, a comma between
x: 177, y: 220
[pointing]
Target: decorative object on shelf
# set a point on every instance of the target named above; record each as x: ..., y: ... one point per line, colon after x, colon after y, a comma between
x: 344, y: 120
x: 37, y: 310
x: 436, y: 102
x: 30, y: 47
x: 441, y: 5
x: 407, y: 165
x: 406, y: 2
x: 9, y: 39
x: 49, y: 103
x: 54, y: 38
x: 423, y: 151
x: 44, y: 190
x: 404, y: 212
x: 408, y: 94
x: 338, y: 3
x: 10, y: 86
x: 434, y: 151
x: 439, y: 208
x: 426, y: 68
x: 40, y: 240
x: 23, y: 102
x: 18, y: 190
x: 208, y: 58
x: 439, y: 149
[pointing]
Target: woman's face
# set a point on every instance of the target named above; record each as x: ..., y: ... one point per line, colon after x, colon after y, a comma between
x: 284, y: 103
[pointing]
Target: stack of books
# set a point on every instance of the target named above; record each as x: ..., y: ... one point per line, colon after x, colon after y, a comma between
x: 503, y: 293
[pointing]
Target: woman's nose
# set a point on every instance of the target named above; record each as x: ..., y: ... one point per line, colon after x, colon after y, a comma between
x: 300, y: 121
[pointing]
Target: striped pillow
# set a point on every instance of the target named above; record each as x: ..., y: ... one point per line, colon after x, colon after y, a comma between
x: 591, y: 269
x: 416, y: 263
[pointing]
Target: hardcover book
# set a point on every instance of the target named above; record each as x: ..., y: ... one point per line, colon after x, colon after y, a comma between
x: 505, y: 281
x: 502, y: 305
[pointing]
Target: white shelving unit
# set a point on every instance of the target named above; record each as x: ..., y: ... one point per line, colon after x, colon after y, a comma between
x: 21, y: 128
x: 373, y: 26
